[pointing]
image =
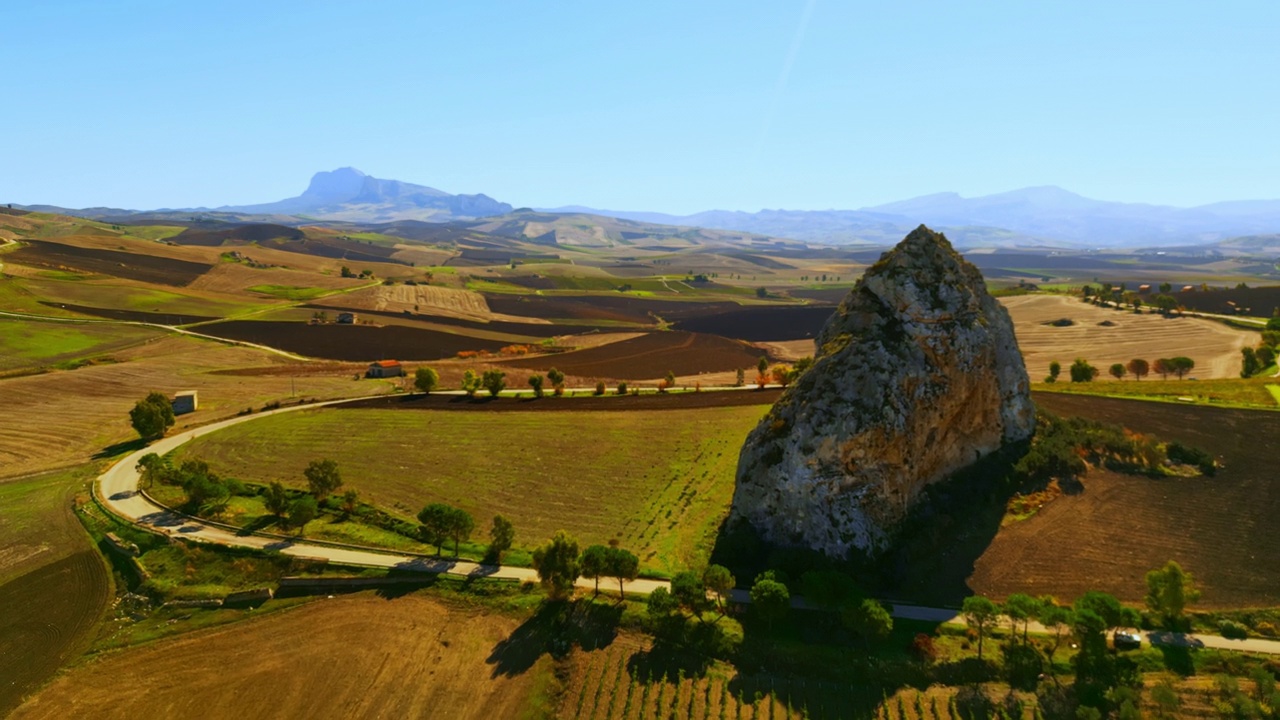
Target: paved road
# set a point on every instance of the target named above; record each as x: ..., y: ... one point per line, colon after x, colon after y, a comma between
x: 118, y: 491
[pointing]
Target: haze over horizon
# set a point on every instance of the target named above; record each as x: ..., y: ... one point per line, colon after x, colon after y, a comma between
x: 667, y: 108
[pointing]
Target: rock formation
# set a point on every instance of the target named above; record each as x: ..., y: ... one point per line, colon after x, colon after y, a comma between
x: 916, y: 375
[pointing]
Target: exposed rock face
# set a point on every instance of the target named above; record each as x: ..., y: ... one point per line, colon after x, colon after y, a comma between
x: 916, y: 375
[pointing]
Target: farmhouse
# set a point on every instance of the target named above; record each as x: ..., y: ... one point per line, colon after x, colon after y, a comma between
x: 185, y: 402
x: 385, y: 369
x: 346, y: 318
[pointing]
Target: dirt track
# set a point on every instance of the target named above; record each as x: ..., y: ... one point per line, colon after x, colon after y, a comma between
x: 321, y: 660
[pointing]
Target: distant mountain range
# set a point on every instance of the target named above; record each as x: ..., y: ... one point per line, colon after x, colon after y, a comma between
x: 1039, y: 216
x: 1030, y: 216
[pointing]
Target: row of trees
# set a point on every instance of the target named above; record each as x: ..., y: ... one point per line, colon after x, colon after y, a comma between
x: 1081, y: 371
x: 560, y: 563
x: 1101, y: 679
x: 782, y: 375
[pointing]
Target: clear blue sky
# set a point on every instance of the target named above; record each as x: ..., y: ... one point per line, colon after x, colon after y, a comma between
x: 666, y: 106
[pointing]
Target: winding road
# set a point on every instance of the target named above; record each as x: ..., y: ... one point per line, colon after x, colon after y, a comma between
x: 118, y: 491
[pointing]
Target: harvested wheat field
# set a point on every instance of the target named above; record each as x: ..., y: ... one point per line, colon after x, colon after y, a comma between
x: 424, y: 299
x: 1214, y: 346
x: 68, y: 416
x: 426, y: 659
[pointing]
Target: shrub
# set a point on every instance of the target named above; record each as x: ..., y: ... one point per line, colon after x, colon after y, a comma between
x: 1188, y: 455
x: 1233, y: 630
x: 923, y: 649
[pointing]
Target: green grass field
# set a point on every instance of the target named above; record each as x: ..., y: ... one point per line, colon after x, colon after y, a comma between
x: 26, y: 343
x: 1234, y: 392
x: 37, y: 526
x: 658, y: 481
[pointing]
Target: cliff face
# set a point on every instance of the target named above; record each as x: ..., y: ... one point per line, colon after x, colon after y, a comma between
x: 916, y: 375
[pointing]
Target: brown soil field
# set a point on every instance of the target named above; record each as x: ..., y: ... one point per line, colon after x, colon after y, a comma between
x: 532, y: 329
x: 1214, y: 346
x: 132, y: 266
x: 255, y: 232
x: 47, y: 614
x: 1222, y: 529
x: 650, y: 356
x: 68, y: 416
x: 358, y: 656
x: 1258, y: 301
x: 763, y: 323
x: 131, y: 315
x: 351, y: 342
x: 616, y: 308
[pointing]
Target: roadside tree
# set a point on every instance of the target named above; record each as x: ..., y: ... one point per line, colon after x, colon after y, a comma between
x: 1169, y: 590
x: 770, y: 599
x: 276, y: 499
x: 623, y: 566
x: 494, y: 381
x: 661, y: 604
x: 557, y: 381
x: 1055, y: 369
x: 557, y: 564
x: 1248, y: 362
x: 501, y: 536
x: 720, y: 581
x: 1182, y: 365
x: 152, y: 468
x: 595, y: 563
x: 323, y: 478
x: 689, y: 592
x: 1266, y: 355
x: 152, y: 416
x: 1082, y: 371
x: 435, y: 522
x: 1163, y: 366
x: 870, y: 619
x: 459, y: 527
x: 1117, y: 371
x: 1138, y: 368
x: 1020, y: 608
x: 981, y: 615
x: 535, y: 382
x: 470, y: 383
x: 426, y: 380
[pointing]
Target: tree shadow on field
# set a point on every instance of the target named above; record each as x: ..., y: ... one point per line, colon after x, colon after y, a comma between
x: 120, y: 448
x: 681, y: 649
x: 554, y: 630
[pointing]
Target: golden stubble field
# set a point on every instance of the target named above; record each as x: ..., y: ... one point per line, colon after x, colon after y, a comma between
x: 359, y: 656
x: 1214, y: 346
x: 63, y: 418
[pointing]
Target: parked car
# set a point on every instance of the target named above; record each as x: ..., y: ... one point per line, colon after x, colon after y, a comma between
x: 1125, y: 640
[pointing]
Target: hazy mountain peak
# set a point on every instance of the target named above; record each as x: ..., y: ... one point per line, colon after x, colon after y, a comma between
x: 349, y: 194
x: 335, y: 185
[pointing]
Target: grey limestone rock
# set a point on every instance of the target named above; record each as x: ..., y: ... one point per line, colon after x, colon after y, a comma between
x: 916, y: 375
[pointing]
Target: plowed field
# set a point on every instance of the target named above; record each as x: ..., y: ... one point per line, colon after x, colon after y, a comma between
x: 359, y: 343
x: 651, y: 356
x: 46, y: 615
x: 1223, y: 529
x: 360, y: 656
x: 132, y: 266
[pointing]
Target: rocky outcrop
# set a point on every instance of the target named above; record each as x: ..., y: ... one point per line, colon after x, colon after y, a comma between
x: 915, y: 376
